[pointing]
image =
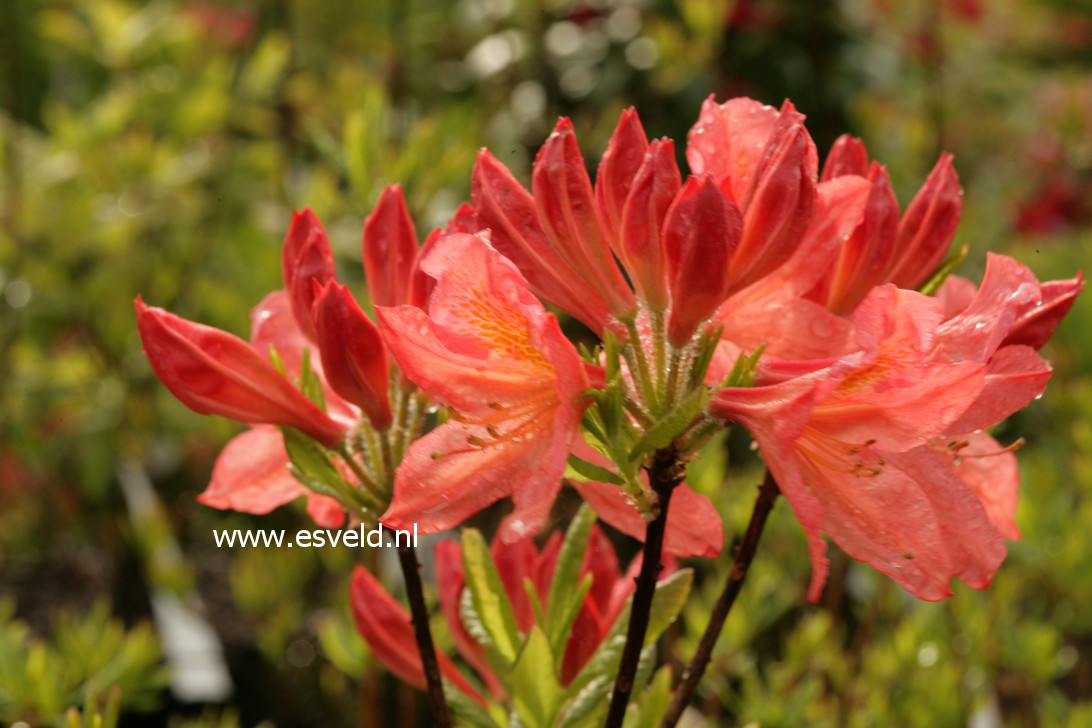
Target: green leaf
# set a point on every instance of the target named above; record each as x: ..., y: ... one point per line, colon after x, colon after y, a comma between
x: 931, y: 286
x: 564, y: 601
x: 654, y: 702
x: 743, y: 371
x: 488, y: 596
x: 585, y: 709
x: 582, y: 470
x: 707, y: 348
x: 312, y: 465
x: 467, y: 711
x: 664, y: 430
x: 309, y: 382
x: 611, y: 359
x: 535, y: 689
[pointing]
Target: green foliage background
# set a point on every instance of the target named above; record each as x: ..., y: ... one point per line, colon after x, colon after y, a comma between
x: 158, y: 148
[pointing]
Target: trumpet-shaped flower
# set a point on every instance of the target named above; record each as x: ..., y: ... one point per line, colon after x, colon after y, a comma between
x: 883, y: 450
x: 487, y: 349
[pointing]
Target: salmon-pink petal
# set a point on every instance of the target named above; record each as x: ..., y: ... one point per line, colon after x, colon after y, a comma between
x: 388, y: 630
x: 729, y: 139
x: 251, y: 474
x: 1014, y: 377
x: 450, y: 581
x: 693, y: 525
x: 913, y: 520
x: 789, y: 327
x: 325, y: 511
x: 1035, y: 324
x: 466, y: 383
x: 776, y: 416
x: 1008, y: 287
x: 448, y: 475
x: 508, y: 211
x: 991, y: 471
x: 955, y: 295
x: 901, y: 418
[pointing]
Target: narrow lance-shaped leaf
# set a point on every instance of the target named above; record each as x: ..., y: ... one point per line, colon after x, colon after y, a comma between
x: 564, y: 601
x: 664, y: 430
x: 536, y: 691
x: 488, y: 596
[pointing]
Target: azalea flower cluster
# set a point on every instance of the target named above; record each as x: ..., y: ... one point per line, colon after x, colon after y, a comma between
x: 803, y: 305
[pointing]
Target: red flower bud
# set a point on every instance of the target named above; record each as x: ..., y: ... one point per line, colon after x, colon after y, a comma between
x: 567, y: 210
x: 700, y: 233
x: 777, y: 207
x: 928, y: 227
x: 866, y: 256
x: 624, y: 156
x: 508, y: 212
x: 847, y: 156
x: 390, y: 249
x: 305, y: 257
x: 651, y: 194
x: 212, y: 372
x: 353, y: 355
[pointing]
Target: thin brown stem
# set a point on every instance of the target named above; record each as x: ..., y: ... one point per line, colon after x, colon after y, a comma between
x: 664, y: 474
x: 411, y: 571
x: 692, y: 675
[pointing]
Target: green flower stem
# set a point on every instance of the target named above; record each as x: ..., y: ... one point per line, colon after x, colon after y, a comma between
x: 659, y: 351
x: 671, y: 392
x: 401, y: 421
x: 638, y: 364
x: 688, y: 684
x: 361, y: 475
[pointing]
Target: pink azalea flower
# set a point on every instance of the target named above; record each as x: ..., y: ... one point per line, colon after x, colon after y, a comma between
x: 487, y: 349
x: 883, y: 449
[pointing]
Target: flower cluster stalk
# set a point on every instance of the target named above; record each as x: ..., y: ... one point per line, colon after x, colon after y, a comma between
x: 692, y: 675
x: 664, y: 475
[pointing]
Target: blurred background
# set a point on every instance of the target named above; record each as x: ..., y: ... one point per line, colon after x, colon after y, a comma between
x: 160, y: 147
